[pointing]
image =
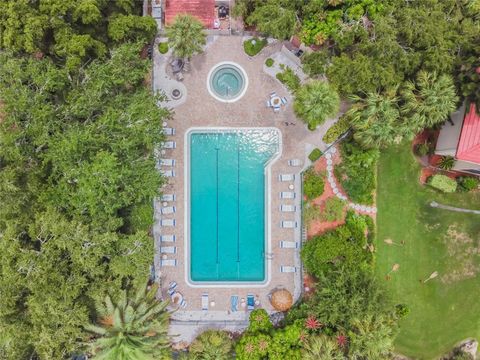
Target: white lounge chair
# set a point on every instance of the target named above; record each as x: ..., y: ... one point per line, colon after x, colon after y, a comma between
x: 167, y: 238
x: 287, y: 195
x: 289, y: 224
x: 168, y: 210
x: 268, y: 103
x: 167, y: 162
x: 168, y: 173
x: 276, y: 109
x: 295, y: 162
x: 288, y: 269
x: 205, y: 301
x: 168, y: 249
x: 284, y: 100
x: 288, y: 244
x: 167, y: 222
x: 287, y: 208
x: 169, y: 145
x: 169, y: 131
x: 168, y: 262
x: 286, y: 177
x: 168, y: 197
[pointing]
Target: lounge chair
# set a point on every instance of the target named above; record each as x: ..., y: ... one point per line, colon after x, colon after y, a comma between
x: 287, y: 195
x: 289, y: 244
x: 286, y: 177
x: 284, y: 100
x: 168, y: 173
x: 172, y: 288
x: 287, y: 208
x: 167, y: 222
x: 168, y: 249
x: 168, y: 210
x: 276, y: 109
x: 168, y: 262
x: 169, y: 145
x: 289, y: 224
x: 168, y: 197
x: 250, y: 302
x: 167, y: 162
x: 273, y: 94
x: 167, y: 238
x: 183, y: 304
x: 288, y: 269
x: 205, y: 301
x: 295, y: 162
x: 234, y: 303
x: 169, y: 131
x: 268, y: 103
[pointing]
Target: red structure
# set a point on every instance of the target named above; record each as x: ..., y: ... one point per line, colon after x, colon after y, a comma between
x: 204, y: 10
x: 469, y: 143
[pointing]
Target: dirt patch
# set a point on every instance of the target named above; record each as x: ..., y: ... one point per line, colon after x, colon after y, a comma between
x: 464, y: 253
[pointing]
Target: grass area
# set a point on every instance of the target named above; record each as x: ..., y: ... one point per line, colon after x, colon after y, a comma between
x: 253, y: 46
x: 446, y: 309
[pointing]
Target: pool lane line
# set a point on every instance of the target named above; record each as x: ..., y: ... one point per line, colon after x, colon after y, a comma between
x: 238, y: 206
x: 217, y: 149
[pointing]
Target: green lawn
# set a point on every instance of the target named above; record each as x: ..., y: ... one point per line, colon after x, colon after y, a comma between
x: 446, y: 309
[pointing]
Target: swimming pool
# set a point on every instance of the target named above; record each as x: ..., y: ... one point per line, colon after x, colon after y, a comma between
x: 227, y: 203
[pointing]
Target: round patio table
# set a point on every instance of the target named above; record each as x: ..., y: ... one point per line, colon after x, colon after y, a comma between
x: 291, y: 187
x: 276, y: 101
x: 177, y: 298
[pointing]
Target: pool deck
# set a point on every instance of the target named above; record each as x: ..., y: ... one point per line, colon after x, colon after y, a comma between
x: 200, y: 109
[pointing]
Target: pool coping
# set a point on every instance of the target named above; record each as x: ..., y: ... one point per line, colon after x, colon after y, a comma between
x: 245, y: 80
x: 267, y: 200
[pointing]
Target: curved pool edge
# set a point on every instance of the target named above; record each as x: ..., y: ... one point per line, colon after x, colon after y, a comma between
x: 243, y: 73
x: 268, y: 200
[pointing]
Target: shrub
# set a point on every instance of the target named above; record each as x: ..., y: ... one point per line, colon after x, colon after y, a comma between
x: 442, y: 183
x: 357, y: 172
x: 311, y: 212
x: 286, y: 343
x: 401, y: 310
x: 422, y: 149
x: 333, y: 209
x: 467, y: 183
x: 446, y: 162
x: 315, y: 63
x: 259, y: 321
x: 336, y: 130
x: 269, y: 62
x: 163, y: 47
x: 212, y: 344
x: 315, y: 155
x: 253, y: 46
x: 289, y: 79
x: 252, y: 346
x: 313, y: 184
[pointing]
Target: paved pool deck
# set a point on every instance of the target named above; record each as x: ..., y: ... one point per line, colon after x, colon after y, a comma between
x: 200, y: 109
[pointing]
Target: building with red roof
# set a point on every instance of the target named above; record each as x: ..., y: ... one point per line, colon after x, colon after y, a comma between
x: 204, y: 10
x: 460, y: 138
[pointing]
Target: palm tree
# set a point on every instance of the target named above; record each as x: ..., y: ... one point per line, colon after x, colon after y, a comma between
x: 315, y: 102
x: 430, y: 100
x: 186, y: 36
x: 132, y: 328
x: 446, y: 162
x: 211, y: 345
x: 322, y: 347
x: 376, y: 119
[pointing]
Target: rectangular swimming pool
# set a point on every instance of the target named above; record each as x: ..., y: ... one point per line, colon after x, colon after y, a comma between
x: 228, y: 203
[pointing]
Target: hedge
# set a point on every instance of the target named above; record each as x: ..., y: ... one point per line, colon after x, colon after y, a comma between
x: 315, y: 155
x: 253, y: 49
x: 336, y: 130
x: 443, y: 183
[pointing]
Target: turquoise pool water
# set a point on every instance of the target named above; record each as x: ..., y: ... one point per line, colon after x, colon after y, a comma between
x: 227, y: 204
x: 227, y: 81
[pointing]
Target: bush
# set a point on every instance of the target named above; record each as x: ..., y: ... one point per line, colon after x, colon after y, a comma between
x: 467, y: 183
x: 310, y: 213
x: 289, y: 79
x: 315, y: 63
x: 253, y: 46
x: 163, y: 47
x: 269, y: 62
x: 313, y: 184
x: 333, y: 210
x: 212, y: 344
x: 259, y: 321
x: 422, y: 149
x: 357, y: 172
x: 315, y: 155
x: 336, y: 130
x: 401, y: 310
x: 446, y: 162
x: 442, y: 183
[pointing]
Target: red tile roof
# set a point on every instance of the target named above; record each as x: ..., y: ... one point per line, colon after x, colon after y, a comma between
x: 204, y: 10
x: 469, y: 144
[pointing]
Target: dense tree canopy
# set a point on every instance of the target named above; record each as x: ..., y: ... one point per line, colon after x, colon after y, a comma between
x: 77, y: 179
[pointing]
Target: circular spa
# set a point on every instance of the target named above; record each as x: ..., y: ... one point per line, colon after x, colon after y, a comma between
x: 227, y: 82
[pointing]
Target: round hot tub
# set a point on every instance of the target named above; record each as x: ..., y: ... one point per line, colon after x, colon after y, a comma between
x: 227, y: 82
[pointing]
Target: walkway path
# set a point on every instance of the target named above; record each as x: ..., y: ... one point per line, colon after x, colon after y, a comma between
x: 452, y: 208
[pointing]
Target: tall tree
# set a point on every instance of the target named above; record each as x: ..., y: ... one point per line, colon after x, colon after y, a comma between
x: 274, y: 19
x: 315, y: 102
x: 132, y: 327
x: 186, y: 36
x: 211, y: 345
